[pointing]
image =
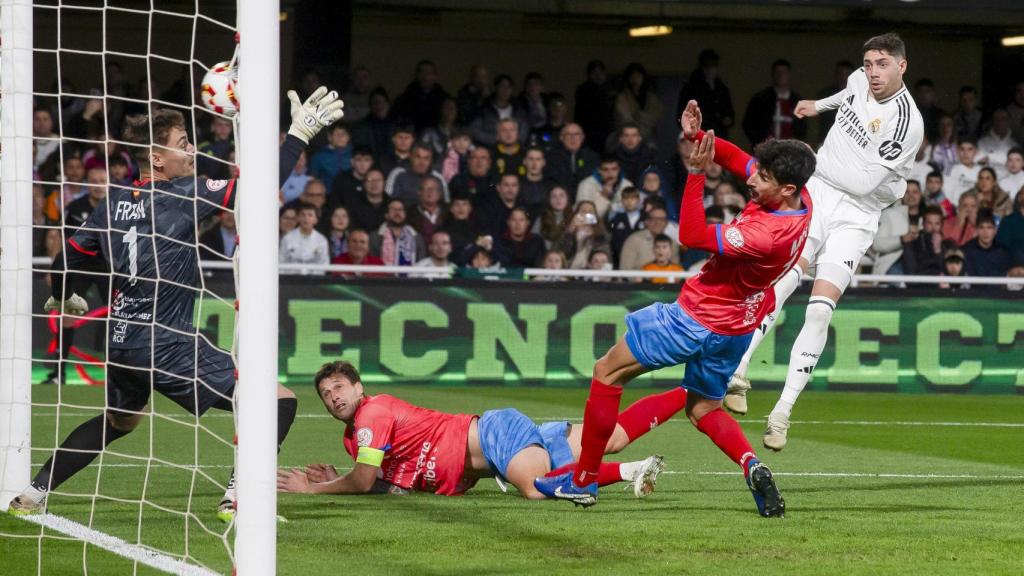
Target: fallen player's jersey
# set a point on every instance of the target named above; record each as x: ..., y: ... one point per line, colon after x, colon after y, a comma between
x: 416, y: 448
x: 146, y: 238
x: 869, y: 151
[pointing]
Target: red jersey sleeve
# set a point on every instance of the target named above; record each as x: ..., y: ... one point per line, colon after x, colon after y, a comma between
x: 749, y: 240
x: 731, y: 157
x: 374, y: 427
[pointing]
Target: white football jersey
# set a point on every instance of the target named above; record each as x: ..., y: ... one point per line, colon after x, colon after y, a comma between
x: 869, y: 151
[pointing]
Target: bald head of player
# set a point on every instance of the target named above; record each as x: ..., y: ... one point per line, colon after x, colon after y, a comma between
x: 171, y: 155
x: 885, y: 62
x: 340, y: 389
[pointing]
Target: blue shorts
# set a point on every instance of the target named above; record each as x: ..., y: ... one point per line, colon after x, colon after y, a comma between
x: 503, y: 434
x: 556, y: 442
x: 663, y: 335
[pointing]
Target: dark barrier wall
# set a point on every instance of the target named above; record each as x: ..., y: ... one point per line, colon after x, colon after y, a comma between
x: 540, y: 333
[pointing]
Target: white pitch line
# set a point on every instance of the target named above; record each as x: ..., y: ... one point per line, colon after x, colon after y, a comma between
x: 113, y: 544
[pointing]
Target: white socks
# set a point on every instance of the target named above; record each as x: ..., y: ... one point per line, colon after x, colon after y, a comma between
x: 806, y: 351
x: 783, y: 290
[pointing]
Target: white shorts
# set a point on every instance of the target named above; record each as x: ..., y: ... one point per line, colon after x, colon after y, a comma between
x: 841, y: 230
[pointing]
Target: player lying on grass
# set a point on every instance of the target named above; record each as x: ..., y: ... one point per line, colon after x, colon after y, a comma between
x: 397, y: 446
x: 145, y: 238
x: 709, y: 326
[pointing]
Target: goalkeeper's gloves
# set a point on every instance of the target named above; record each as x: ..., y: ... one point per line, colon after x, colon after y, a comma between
x: 320, y: 110
x: 75, y: 305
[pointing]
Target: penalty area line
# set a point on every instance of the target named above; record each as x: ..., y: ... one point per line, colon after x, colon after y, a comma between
x: 140, y: 554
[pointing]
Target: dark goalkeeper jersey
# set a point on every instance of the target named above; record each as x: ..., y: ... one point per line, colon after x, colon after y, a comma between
x: 146, y: 238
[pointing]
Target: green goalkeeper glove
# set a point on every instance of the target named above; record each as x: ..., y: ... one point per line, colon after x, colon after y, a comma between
x: 75, y: 305
x: 320, y: 110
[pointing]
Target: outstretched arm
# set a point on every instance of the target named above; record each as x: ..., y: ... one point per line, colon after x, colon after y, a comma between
x: 320, y: 110
x: 359, y: 480
x: 726, y: 154
x: 694, y: 231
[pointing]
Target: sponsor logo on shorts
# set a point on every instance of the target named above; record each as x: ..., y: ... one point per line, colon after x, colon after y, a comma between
x: 364, y: 436
x: 734, y: 237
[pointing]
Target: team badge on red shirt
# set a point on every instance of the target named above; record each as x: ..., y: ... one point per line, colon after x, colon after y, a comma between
x: 364, y: 437
x: 734, y: 237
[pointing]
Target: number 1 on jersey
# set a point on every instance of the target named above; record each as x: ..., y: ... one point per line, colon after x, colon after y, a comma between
x: 132, y: 240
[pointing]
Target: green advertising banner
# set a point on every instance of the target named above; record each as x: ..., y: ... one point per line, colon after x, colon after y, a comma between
x: 550, y: 333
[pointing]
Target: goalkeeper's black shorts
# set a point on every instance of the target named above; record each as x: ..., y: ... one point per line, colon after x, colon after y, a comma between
x: 193, y: 374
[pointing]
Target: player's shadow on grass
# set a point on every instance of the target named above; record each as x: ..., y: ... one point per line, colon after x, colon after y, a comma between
x: 933, y: 484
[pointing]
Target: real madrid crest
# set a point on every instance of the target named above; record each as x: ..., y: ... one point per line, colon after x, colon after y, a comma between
x: 875, y: 125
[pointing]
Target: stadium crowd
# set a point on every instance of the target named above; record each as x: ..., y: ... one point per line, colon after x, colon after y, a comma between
x: 495, y: 177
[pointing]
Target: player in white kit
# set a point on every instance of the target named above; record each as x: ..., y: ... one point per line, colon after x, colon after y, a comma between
x: 862, y: 168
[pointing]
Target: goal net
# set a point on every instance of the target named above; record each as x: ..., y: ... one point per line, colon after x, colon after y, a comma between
x: 160, y: 271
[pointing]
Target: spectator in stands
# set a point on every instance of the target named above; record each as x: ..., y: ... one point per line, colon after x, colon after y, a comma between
x: 42, y: 237
x: 478, y: 180
x: 639, y: 246
x: 922, y: 165
x: 707, y: 88
x: 604, y: 187
x: 934, y: 196
x: 570, y: 162
x: 584, y: 234
x: 555, y: 217
x: 439, y: 249
x: 840, y: 74
x: 638, y: 103
x: 652, y: 186
x: 367, y: 209
x: 553, y: 260
x: 120, y: 171
x: 474, y: 94
x: 349, y: 184
x: 961, y: 229
x: 73, y: 187
x: 593, y: 111
x: 967, y: 117
x: 78, y: 211
x: 89, y: 119
x: 982, y: 256
x: 287, y: 220
x: 624, y: 222
x: 358, y: 252
x: 305, y: 245
x: 499, y: 106
x: 546, y: 136
x: 335, y: 157
x: 894, y: 231
x: 1014, y: 178
x: 314, y: 194
x: 728, y: 198
x: 437, y: 136
x: 531, y: 100
x: 337, y: 236
x: 481, y: 260
x: 375, y: 130
x: 218, y: 146
x: 953, y: 267
x: 964, y: 174
x: 693, y: 259
x: 922, y: 251
x: 461, y: 227
x: 296, y: 181
x: 456, y: 156
x: 770, y: 112
x: 420, y: 103
x: 600, y: 259
x: 944, y: 150
x: 508, y: 150
x: 357, y: 96
x: 633, y: 152
x: 430, y: 212
x: 662, y: 262
x: 404, y: 182
x: 492, y: 210
x: 518, y: 247
x: 46, y: 141
x: 931, y: 114
x: 397, y: 243
x: 674, y: 174
x: 534, y: 185
x: 990, y: 195
x: 714, y: 176
x: 996, y: 144
x: 218, y: 243
x: 1011, y: 228
x: 914, y: 201
x: 1016, y: 271
x: 402, y: 140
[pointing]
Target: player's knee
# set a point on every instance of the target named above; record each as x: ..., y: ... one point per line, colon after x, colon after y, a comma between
x: 603, y: 369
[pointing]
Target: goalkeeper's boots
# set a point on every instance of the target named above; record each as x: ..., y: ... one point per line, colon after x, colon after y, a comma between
x: 736, y: 394
x: 226, y: 508
x: 646, y: 477
x: 775, y: 434
x: 561, y: 487
x: 31, y: 501
x: 766, y: 495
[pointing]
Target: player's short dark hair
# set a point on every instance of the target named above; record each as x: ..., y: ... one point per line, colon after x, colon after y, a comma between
x: 421, y: 145
x: 890, y: 42
x: 631, y: 190
x: 787, y: 161
x: 609, y: 159
x: 913, y: 181
x: 404, y: 128
x: 662, y: 238
x: 1016, y: 150
x: 137, y: 127
x: 342, y: 368
x: 508, y: 175
x: 933, y: 210
x: 968, y: 140
x: 535, y: 149
x: 652, y: 202
x: 984, y: 216
x: 338, y: 126
x: 358, y: 230
x: 625, y: 125
x: 306, y: 206
x: 934, y: 174
x: 362, y: 151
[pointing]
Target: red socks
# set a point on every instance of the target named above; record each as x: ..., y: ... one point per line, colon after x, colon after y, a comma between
x: 610, y: 473
x: 599, y: 418
x: 651, y: 411
x: 727, y: 435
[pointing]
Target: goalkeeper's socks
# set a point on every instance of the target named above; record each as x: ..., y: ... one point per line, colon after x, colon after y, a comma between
x: 77, y: 451
x: 286, y: 408
x: 599, y: 419
x: 726, y: 433
x: 651, y: 411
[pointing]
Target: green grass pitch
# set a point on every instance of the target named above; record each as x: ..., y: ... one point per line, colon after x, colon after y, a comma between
x: 874, y: 484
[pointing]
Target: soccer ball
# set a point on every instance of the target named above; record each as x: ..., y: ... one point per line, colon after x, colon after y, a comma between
x: 219, y: 91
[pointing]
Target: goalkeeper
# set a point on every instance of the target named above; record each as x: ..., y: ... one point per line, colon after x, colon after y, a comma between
x: 145, y: 239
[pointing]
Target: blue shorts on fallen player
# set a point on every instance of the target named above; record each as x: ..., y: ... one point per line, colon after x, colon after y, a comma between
x: 506, y: 432
x: 663, y: 335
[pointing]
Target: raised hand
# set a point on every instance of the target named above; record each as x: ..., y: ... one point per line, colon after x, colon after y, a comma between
x: 691, y: 119
x: 703, y: 153
x: 320, y: 110
x: 805, y: 109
